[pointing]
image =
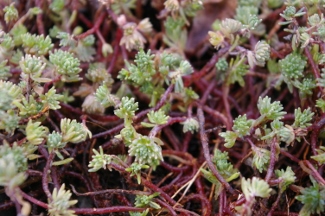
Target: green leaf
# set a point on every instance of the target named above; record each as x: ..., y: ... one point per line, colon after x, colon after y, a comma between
x: 62, y: 162
x: 270, y: 111
x: 190, y: 124
x: 73, y: 132
x: 230, y: 138
x: 35, y: 133
x: 302, y: 119
x: 255, y: 188
x: 146, y: 201
x: 261, y: 158
x: 313, y: 198
x: 36, y: 44
x: 99, y: 160
x: 60, y: 203
x: 146, y: 151
x: 320, y: 157
x: 242, y: 126
x: 157, y: 117
x: 287, y: 176
x: 127, y: 108
x: 66, y: 65
x: 52, y: 99
x: 11, y: 13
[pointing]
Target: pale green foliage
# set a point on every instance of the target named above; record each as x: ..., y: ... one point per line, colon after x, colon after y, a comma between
x: 320, y: 157
x: 127, y: 108
x: 320, y: 103
x: 36, y: 44
x: 73, y: 132
x: 190, y: 125
x: 252, y: 3
x: 66, y: 65
x: 146, y: 151
x: 84, y: 50
x: 305, y: 87
x: 230, y: 138
x: 5, y: 100
x: 17, y: 31
x: 222, y: 64
x: 12, y: 89
x: 224, y: 167
x: 145, y: 63
x: 284, y: 133
x: 262, y: 52
x: 19, y: 155
x: 290, y: 13
x: 28, y: 107
x: 292, y: 68
x: 242, y: 125
x: 268, y: 110
x: 135, y: 169
x: 33, y: 66
x: 216, y: 39
x: 287, y: 178
x: 146, y: 201
x: 51, y: 99
x: 143, y: 75
x: 57, y: 5
x: 245, y: 13
x: 128, y: 134
x: 190, y: 95
x: 156, y: 118
x: 60, y: 203
x: 303, y: 119
x: 66, y: 39
x: 13, y: 164
x: 11, y: 13
x: 9, y: 121
x: 176, y: 34
x: 261, y: 158
x: 54, y: 140
x: 99, y: 160
x: 255, y: 187
x: 184, y: 68
x: 35, y: 10
x: 4, y: 70
x: 313, y: 198
x: 230, y: 26
x: 237, y: 70
x: 321, y: 80
x: 6, y: 42
x: 144, y: 213
x: 123, y: 6
x: 104, y: 96
x: 142, y: 71
x: 35, y: 133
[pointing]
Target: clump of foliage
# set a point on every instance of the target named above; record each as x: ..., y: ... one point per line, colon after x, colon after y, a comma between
x: 104, y: 97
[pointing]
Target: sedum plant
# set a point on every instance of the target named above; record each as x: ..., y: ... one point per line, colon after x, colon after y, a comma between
x: 61, y: 202
x: 118, y: 86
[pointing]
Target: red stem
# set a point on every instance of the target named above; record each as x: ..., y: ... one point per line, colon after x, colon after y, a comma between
x: 206, y: 152
x: 99, y: 21
x: 272, y: 160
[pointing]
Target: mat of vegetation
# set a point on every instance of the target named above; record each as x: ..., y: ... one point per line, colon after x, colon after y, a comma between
x: 176, y: 107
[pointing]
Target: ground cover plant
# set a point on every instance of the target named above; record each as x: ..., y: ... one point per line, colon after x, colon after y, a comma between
x: 177, y: 107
